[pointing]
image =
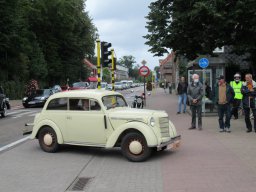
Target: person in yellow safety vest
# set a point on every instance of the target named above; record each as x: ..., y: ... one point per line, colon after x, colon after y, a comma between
x: 236, y: 85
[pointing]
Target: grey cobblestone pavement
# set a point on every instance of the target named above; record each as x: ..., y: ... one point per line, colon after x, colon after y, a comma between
x: 206, y: 161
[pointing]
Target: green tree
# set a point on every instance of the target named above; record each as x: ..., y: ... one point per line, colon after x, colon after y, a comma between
x: 65, y: 34
x: 195, y: 27
x: 106, y: 76
x: 128, y: 61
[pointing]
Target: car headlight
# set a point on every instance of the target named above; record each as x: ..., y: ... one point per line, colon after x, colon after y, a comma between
x: 42, y: 98
x: 25, y: 98
x: 152, y: 121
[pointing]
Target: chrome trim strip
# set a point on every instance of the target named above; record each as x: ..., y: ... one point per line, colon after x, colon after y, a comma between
x: 128, y: 119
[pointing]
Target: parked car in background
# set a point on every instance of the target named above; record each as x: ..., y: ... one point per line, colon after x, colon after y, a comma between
x: 119, y: 86
x: 65, y: 88
x: 4, y: 103
x: 37, y: 98
x: 79, y: 85
x: 56, y: 89
x: 109, y: 87
x: 100, y: 118
x: 103, y: 85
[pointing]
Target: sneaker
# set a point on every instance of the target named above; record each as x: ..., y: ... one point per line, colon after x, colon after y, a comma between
x: 191, y: 128
x: 228, y: 130
x: 184, y: 111
x: 222, y: 130
x: 178, y: 112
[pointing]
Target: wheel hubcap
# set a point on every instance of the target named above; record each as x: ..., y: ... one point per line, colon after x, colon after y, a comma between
x: 135, y: 147
x: 48, y: 140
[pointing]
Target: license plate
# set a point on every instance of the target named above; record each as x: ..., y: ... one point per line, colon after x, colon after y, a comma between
x: 31, y: 102
x: 170, y: 146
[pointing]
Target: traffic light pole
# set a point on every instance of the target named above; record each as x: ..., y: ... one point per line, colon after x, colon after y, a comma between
x: 113, y: 70
x: 98, y: 63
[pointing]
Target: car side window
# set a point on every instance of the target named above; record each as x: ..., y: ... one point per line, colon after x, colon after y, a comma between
x: 83, y: 105
x: 94, y: 105
x: 57, y: 104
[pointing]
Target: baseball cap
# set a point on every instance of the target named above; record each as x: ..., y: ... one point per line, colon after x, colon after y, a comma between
x: 221, y: 77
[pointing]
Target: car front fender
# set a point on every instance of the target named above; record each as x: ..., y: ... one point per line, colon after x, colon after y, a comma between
x: 39, y: 125
x: 143, y: 128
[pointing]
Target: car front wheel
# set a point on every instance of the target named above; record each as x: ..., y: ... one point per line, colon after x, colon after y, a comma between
x: 48, y: 140
x: 134, y: 147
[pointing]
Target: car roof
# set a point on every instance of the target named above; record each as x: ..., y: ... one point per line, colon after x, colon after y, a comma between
x: 90, y: 93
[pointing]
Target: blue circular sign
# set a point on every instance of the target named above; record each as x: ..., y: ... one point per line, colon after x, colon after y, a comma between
x: 203, y: 63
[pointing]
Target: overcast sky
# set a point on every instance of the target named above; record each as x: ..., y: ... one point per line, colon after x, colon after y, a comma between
x: 122, y: 23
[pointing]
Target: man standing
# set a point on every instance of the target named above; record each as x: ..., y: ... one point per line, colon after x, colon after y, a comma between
x: 249, y: 93
x: 195, y: 95
x: 182, y: 92
x: 236, y: 85
x: 224, y: 97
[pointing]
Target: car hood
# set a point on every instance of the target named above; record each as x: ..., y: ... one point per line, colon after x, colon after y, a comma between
x: 132, y: 114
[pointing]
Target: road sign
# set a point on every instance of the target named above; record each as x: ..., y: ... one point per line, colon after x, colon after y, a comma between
x: 203, y: 63
x: 144, y: 71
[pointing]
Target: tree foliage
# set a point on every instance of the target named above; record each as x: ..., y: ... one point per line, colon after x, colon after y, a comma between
x: 194, y: 27
x: 128, y: 61
x: 44, y: 40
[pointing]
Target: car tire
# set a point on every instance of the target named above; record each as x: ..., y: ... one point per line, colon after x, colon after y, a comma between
x: 134, y: 147
x: 4, y: 112
x: 48, y: 140
x: 25, y: 106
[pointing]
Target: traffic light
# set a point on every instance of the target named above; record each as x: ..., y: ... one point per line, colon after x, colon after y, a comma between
x: 105, y: 53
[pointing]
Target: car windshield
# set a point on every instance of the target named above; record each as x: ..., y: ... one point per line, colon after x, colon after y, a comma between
x: 41, y: 92
x: 118, y: 83
x: 113, y: 101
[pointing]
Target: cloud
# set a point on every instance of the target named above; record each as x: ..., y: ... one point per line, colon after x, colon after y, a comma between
x: 123, y: 24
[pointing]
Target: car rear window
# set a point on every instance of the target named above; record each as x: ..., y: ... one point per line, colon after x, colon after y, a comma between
x: 57, y: 104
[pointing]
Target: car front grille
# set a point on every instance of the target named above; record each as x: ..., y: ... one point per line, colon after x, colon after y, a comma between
x: 164, y: 126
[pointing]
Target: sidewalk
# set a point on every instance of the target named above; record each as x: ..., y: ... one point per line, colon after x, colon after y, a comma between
x: 207, y: 161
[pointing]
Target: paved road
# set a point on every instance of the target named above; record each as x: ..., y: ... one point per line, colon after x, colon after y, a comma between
x: 207, y: 161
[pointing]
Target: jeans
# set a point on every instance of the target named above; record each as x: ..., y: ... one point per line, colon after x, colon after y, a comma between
x: 224, y: 109
x: 196, y: 109
x: 248, y: 120
x: 235, y: 107
x: 182, y: 100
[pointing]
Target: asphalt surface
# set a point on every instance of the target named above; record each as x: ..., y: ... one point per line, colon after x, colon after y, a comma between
x: 206, y: 161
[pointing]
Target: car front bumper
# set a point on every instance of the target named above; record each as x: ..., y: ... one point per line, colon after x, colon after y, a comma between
x: 174, y: 143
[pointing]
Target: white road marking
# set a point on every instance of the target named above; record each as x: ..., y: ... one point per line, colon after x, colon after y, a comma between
x: 22, y: 114
x: 15, y: 112
x: 13, y: 144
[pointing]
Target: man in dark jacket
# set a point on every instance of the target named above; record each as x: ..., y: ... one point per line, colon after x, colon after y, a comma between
x: 224, y: 97
x: 249, y: 93
x: 195, y: 95
x: 182, y: 92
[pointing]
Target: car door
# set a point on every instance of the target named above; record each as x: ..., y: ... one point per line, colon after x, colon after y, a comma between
x: 85, y: 126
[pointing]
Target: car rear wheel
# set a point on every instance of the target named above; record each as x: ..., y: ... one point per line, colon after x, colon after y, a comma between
x: 4, y: 112
x: 48, y: 140
x: 134, y: 147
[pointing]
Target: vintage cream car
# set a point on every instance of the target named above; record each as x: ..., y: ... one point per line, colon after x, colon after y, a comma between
x: 101, y: 118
